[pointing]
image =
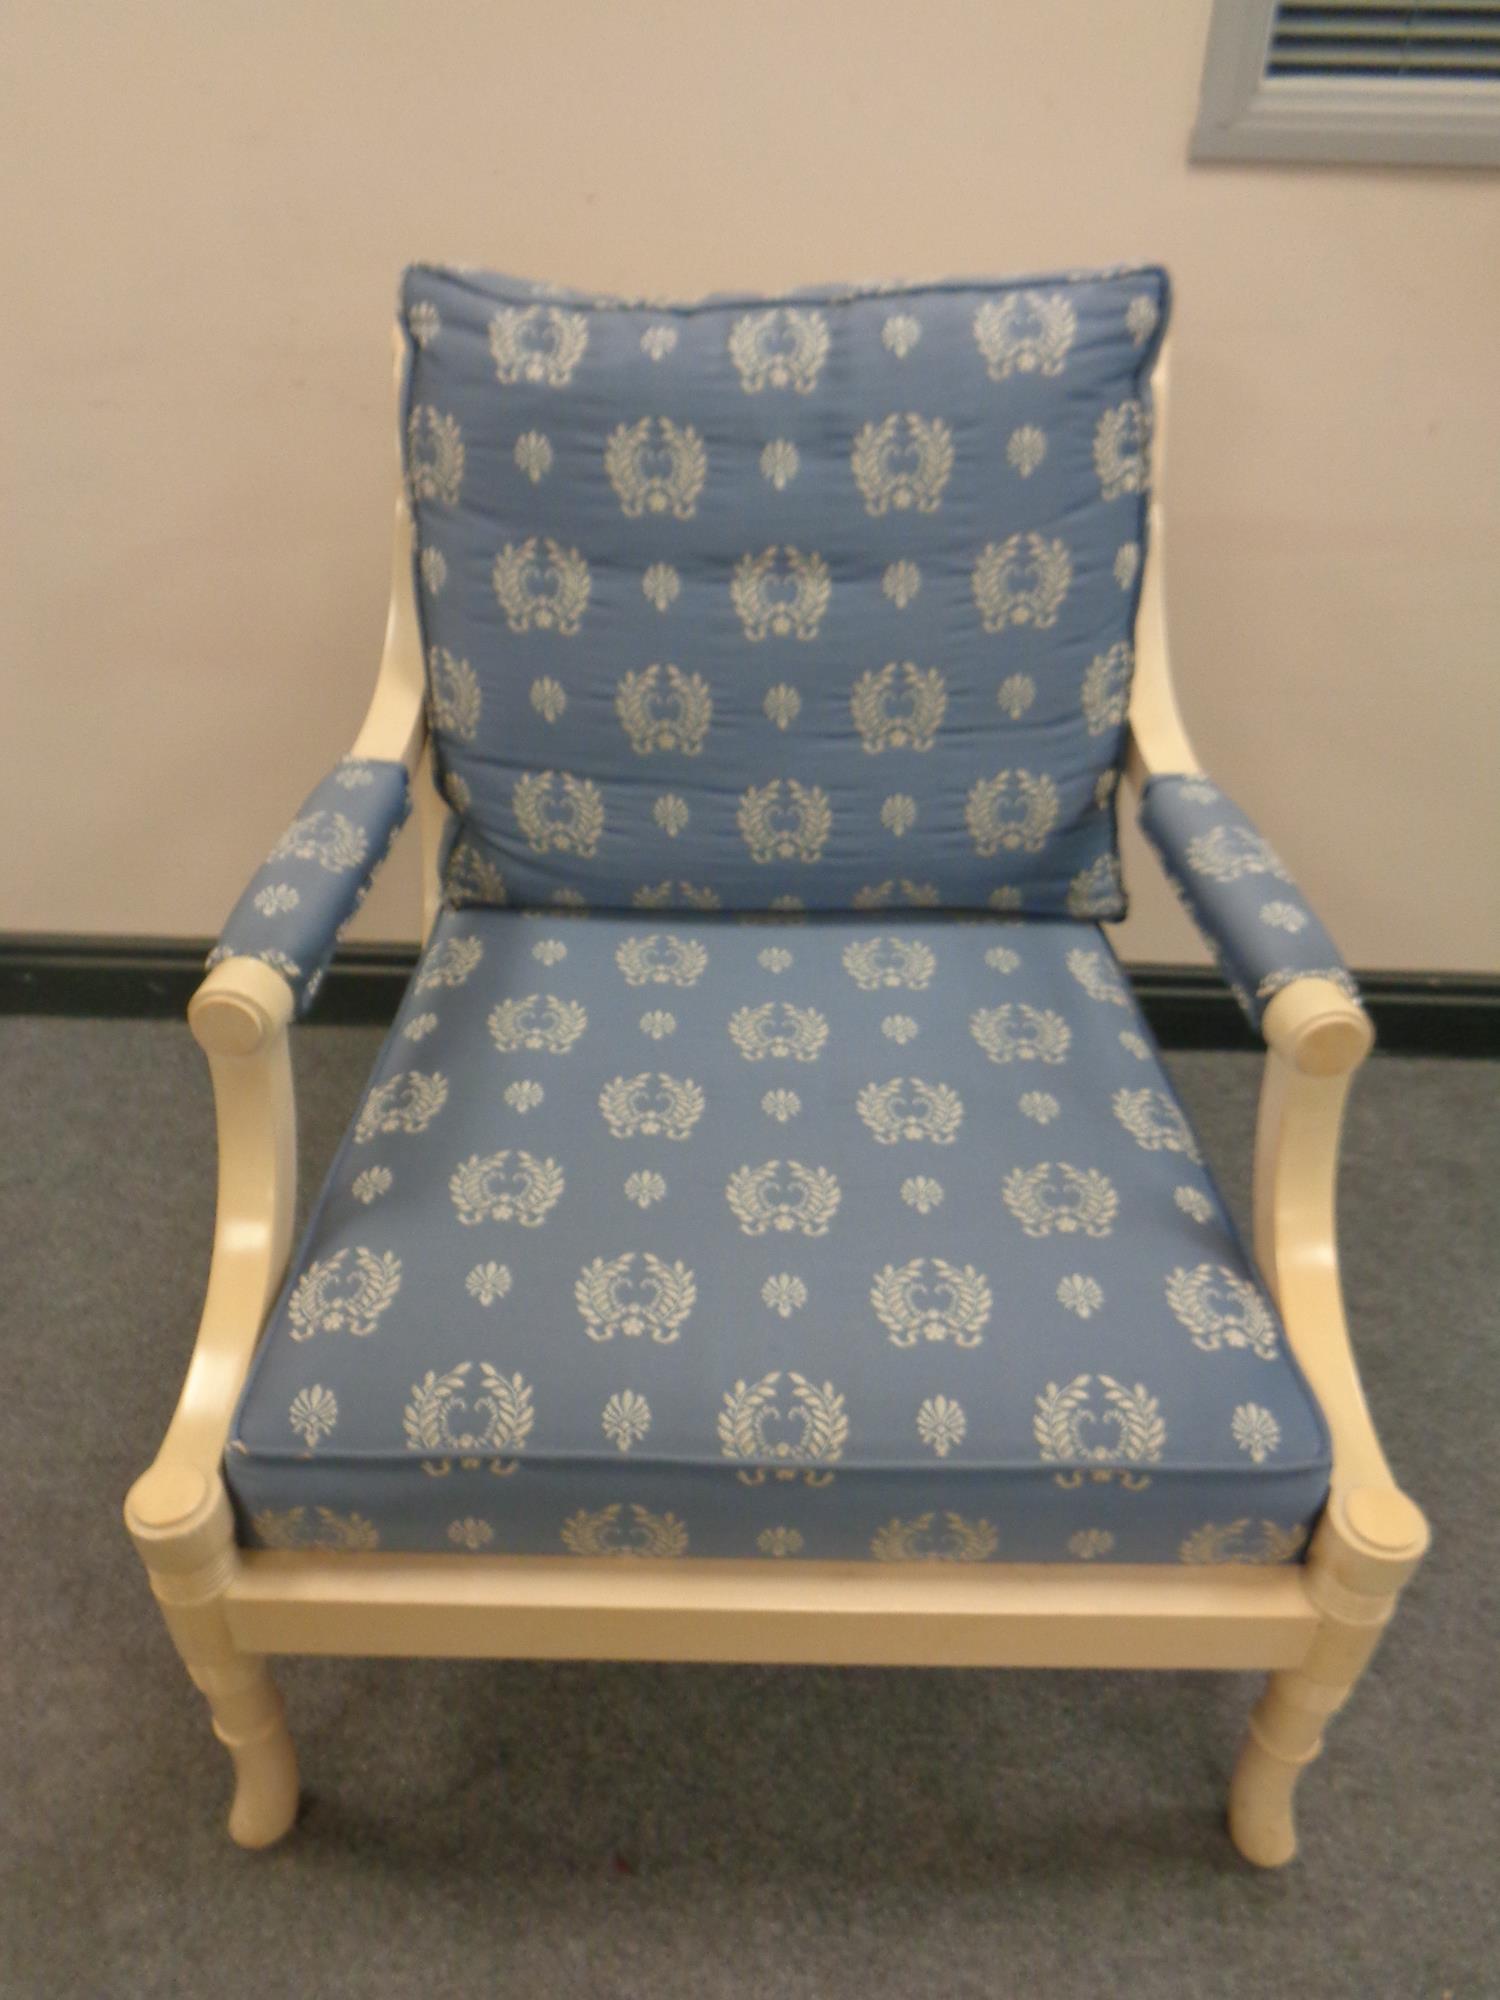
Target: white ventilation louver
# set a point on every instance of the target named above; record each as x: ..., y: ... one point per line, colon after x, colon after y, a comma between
x: 1381, y: 82
x: 1386, y: 38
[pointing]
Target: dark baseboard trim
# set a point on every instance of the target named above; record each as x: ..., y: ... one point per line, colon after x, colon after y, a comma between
x: 1415, y: 1013
x: 1188, y: 1006
x: 152, y: 979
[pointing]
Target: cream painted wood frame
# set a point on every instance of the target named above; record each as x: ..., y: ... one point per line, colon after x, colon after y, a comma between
x: 1313, y: 1626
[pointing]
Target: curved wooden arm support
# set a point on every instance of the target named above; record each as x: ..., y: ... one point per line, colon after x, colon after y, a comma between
x: 239, y: 1016
x: 1316, y: 1038
x: 1311, y: 1024
x: 1296, y: 1246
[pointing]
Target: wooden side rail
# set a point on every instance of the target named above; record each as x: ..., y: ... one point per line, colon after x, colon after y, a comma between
x: 825, y: 1614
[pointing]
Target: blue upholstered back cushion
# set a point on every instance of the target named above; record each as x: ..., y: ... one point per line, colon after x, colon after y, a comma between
x: 745, y: 604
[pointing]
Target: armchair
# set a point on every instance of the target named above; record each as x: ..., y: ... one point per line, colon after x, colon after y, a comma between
x: 769, y: 1233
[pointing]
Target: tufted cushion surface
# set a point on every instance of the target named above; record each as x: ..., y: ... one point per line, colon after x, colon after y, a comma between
x: 835, y: 1238
x: 759, y: 603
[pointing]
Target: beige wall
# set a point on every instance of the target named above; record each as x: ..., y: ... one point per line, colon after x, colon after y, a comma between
x: 206, y: 205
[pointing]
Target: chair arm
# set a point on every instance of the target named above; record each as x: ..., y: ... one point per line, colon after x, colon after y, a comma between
x: 1281, y: 963
x: 1295, y: 1201
x: 264, y: 971
x: 317, y: 875
x: 240, y: 1017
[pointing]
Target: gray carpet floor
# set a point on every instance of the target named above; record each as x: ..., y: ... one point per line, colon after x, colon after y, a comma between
x: 670, y: 1831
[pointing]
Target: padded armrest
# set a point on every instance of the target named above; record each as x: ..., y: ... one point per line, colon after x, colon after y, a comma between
x: 318, y: 874
x: 1238, y: 892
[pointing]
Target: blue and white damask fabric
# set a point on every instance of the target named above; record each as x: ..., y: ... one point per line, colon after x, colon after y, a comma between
x: 318, y: 874
x: 821, y: 602
x: 832, y: 1238
x: 1238, y: 892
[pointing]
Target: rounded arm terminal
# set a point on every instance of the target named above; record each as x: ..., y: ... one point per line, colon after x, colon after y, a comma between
x: 239, y: 1007
x: 1315, y: 1026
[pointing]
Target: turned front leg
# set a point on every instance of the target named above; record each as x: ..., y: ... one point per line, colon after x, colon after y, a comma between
x: 183, y: 1529
x: 1366, y: 1547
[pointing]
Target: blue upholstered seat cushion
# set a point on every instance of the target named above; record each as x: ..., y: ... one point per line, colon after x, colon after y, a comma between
x: 834, y: 1238
x: 752, y: 603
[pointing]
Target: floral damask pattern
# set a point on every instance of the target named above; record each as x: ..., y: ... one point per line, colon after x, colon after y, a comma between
x: 295, y: 908
x: 1238, y: 892
x: 715, y: 1301
x: 930, y: 483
